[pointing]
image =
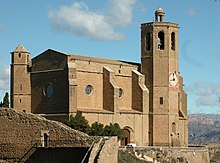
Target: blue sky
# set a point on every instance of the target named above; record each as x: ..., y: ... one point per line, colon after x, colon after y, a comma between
x: 111, y: 29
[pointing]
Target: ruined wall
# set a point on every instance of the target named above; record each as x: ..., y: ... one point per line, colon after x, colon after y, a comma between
x: 21, y: 132
x: 27, y: 138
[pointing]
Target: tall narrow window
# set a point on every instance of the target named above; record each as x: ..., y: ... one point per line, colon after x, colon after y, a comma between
x: 46, y: 140
x: 120, y: 93
x: 20, y: 86
x: 160, y: 18
x: 173, y: 41
x: 161, y: 100
x: 19, y: 55
x: 160, y: 43
x: 28, y: 58
x: 174, y: 127
x: 148, y: 41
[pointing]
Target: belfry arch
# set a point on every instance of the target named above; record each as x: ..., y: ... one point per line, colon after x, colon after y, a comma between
x: 160, y: 43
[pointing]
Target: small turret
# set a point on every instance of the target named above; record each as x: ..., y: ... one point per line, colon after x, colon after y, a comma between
x: 159, y: 15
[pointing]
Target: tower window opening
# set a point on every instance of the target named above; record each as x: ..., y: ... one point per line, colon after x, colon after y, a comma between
x: 174, y: 127
x: 161, y: 100
x: 20, y: 86
x: 20, y: 100
x: 148, y: 41
x: 160, y: 18
x: 160, y: 41
x: 19, y: 55
x: 173, y: 41
x: 28, y: 58
x: 120, y: 93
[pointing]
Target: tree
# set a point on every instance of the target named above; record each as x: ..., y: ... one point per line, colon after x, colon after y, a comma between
x: 97, y: 129
x: 6, y: 100
x: 78, y: 122
x: 113, y: 130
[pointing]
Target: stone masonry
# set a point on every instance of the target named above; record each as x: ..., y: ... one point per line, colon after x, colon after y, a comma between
x: 21, y: 134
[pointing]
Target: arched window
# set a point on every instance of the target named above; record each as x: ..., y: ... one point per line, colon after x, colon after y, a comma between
x: 148, y: 41
x: 173, y: 41
x: 160, y: 43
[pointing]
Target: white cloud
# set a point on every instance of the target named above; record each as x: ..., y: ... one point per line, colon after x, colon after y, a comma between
x: 191, y: 12
x: 4, y: 78
x: 207, y: 94
x: 79, y: 20
x: 121, y: 12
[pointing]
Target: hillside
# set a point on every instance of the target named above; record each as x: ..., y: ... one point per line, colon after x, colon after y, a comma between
x: 204, y: 129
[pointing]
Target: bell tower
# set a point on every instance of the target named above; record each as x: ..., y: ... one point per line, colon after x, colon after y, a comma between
x: 159, y: 64
x: 20, y: 79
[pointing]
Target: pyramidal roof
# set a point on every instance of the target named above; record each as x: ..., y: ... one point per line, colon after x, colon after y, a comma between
x: 20, y: 48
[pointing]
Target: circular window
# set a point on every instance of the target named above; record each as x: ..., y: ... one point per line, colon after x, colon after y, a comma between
x: 120, y: 93
x: 88, y: 89
x: 48, y: 90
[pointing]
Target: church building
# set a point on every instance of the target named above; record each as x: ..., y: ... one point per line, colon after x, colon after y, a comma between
x: 146, y: 99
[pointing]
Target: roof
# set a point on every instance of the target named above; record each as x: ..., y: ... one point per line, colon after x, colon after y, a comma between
x: 102, y: 60
x: 20, y: 48
x: 159, y: 10
x: 93, y: 59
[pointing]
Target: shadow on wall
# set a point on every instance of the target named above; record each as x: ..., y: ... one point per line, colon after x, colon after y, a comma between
x: 58, y: 155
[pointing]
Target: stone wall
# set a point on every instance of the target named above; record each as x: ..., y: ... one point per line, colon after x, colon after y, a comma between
x: 20, y: 132
x: 53, y: 100
x: 164, y: 154
x: 104, y: 149
x: 108, y: 151
x: 26, y: 137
